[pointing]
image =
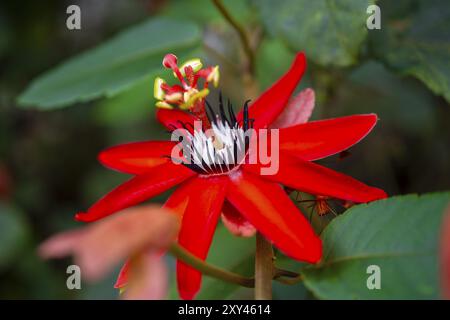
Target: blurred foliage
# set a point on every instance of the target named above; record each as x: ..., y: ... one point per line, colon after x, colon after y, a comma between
x: 397, y: 234
x: 420, y: 45
x: 105, y: 72
x: 13, y: 234
x: 112, y: 67
x: 331, y: 32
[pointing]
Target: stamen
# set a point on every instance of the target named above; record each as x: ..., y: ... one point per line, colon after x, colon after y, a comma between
x: 221, y: 109
x: 231, y: 113
x: 222, y: 151
x: 246, y: 115
x: 210, y: 113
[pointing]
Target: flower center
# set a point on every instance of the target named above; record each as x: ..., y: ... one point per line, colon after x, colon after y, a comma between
x: 221, y: 148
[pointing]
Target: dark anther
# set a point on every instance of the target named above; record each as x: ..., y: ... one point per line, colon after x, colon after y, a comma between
x: 231, y: 113
x: 210, y: 113
x: 222, y: 111
x: 235, y: 151
x: 245, y: 124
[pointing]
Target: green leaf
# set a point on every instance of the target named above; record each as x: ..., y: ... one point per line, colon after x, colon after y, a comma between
x: 14, y: 234
x: 205, y: 12
x: 269, y: 69
x: 400, y: 104
x: 113, y: 66
x: 399, y: 234
x: 329, y: 31
x: 422, y: 49
x: 136, y: 104
x: 228, y: 252
x: 129, y: 107
x: 283, y: 291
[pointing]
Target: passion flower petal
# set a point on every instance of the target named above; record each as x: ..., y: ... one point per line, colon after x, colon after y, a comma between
x: 315, y: 179
x: 270, y: 104
x: 98, y: 247
x: 137, y: 157
x: 266, y: 205
x: 297, y: 111
x: 319, y: 139
x: 235, y: 222
x: 197, y: 228
x: 137, y: 190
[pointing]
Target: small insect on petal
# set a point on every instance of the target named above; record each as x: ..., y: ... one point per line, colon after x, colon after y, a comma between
x: 195, y: 64
x: 158, y: 92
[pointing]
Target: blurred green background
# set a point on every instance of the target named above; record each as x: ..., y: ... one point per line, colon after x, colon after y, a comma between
x: 49, y: 143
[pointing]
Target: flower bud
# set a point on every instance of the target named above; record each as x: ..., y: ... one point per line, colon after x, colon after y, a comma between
x: 170, y: 61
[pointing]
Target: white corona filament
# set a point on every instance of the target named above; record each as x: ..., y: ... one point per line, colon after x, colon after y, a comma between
x: 217, y: 150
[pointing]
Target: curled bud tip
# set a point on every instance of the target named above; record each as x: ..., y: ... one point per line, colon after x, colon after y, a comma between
x: 170, y: 61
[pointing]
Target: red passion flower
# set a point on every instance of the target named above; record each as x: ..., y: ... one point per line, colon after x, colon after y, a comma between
x: 239, y: 191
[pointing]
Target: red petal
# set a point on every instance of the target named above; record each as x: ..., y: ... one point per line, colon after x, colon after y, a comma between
x: 122, y: 279
x: 136, y: 190
x: 137, y: 157
x: 297, y: 111
x: 319, y: 139
x: 445, y: 255
x: 148, y: 278
x: 172, y: 119
x: 197, y: 228
x: 315, y: 179
x: 270, y: 104
x: 179, y: 199
x: 271, y: 211
x: 235, y: 222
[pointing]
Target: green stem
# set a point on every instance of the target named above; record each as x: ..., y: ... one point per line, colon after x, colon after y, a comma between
x: 285, y: 273
x: 228, y: 276
x: 290, y: 281
x: 264, y: 269
x: 241, y: 32
x: 292, y: 277
x: 210, y: 270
